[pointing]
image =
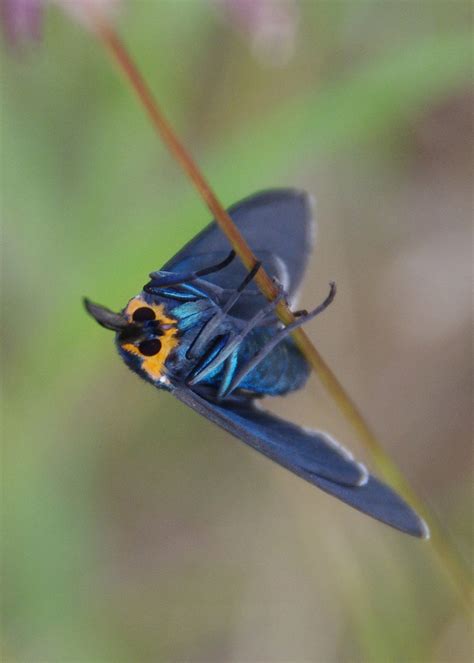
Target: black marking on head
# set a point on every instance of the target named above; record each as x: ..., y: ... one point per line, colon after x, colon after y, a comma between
x: 143, y: 314
x: 150, y: 347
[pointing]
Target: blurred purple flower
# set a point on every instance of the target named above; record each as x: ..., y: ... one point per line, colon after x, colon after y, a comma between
x: 21, y: 20
x: 270, y: 25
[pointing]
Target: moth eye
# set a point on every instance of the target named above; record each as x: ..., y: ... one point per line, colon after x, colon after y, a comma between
x: 150, y: 348
x: 143, y: 314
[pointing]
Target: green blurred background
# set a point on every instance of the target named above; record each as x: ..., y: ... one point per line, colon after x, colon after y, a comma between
x: 134, y: 530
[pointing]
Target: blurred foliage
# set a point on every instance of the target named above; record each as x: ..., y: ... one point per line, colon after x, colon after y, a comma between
x: 122, y: 541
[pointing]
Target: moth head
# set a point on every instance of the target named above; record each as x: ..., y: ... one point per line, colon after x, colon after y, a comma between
x: 145, y: 336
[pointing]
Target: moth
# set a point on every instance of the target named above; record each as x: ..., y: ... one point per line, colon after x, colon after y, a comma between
x: 201, y: 329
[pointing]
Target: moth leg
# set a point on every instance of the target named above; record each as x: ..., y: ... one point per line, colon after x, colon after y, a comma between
x: 236, y: 339
x: 178, y: 279
x: 279, y: 336
x: 210, y: 328
x: 229, y: 370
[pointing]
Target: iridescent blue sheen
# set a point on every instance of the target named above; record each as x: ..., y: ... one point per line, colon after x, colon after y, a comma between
x: 222, y: 347
x: 285, y: 369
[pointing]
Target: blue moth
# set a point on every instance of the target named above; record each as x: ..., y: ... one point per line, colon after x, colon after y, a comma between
x: 201, y: 329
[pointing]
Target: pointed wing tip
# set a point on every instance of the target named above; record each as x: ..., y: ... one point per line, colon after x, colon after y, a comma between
x: 411, y: 523
x: 419, y: 530
x: 424, y: 531
x: 364, y: 474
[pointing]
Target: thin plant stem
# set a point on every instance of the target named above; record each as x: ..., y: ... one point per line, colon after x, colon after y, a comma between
x: 446, y: 553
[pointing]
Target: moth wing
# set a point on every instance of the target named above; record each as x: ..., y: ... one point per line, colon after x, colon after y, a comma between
x: 312, y: 455
x: 278, y: 226
x: 381, y: 502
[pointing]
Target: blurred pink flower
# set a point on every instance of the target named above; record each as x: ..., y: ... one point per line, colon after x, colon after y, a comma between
x: 270, y: 25
x: 84, y: 11
x: 21, y: 20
